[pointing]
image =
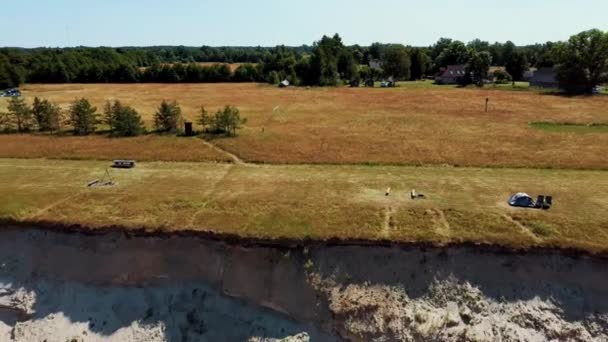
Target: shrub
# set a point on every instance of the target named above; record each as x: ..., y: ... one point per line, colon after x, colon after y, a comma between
x: 502, y: 77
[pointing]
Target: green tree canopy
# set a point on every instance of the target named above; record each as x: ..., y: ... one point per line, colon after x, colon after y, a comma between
x: 168, y: 116
x: 46, y: 114
x: 455, y: 53
x: 122, y: 120
x: 324, y: 61
x: 582, y: 61
x: 478, y: 66
x: 396, y: 62
x: 516, y: 65
x: 83, y: 117
x: 20, y: 114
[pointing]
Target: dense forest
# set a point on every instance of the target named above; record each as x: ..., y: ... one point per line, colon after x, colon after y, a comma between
x: 583, y: 60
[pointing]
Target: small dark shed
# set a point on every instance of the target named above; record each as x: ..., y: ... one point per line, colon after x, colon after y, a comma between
x: 188, y: 129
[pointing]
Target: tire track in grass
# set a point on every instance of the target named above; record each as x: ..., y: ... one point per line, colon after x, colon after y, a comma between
x: 444, y: 225
x: 523, y: 228
x: 388, y: 223
x: 209, y: 192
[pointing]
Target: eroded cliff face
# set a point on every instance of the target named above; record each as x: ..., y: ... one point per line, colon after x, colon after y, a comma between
x: 64, y: 286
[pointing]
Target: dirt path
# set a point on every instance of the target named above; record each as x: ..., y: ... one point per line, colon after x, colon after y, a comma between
x: 235, y: 159
x: 52, y: 205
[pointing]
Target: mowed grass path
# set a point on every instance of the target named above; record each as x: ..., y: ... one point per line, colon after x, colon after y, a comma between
x: 319, y: 202
x: 416, y: 124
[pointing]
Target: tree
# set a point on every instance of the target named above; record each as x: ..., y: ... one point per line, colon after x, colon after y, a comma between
x: 396, y: 62
x: 47, y: 115
x: 478, y: 66
x: 420, y: 63
x: 204, y: 119
x: 228, y: 121
x: 245, y: 73
x: 83, y: 117
x: 168, y: 116
x: 347, y: 67
x: 324, y: 61
x: 455, y: 53
x: 502, y: 77
x: 516, y: 65
x: 478, y: 45
x: 582, y: 62
x: 20, y: 113
x: 123, y: 121
x: 10, y: 75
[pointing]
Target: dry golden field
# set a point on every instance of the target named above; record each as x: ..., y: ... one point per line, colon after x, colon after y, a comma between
x: 99, y: 147
x: 416, y: 124
x: 315, y: 201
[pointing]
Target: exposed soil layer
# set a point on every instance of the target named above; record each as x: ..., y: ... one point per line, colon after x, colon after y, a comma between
x: 65, y: 286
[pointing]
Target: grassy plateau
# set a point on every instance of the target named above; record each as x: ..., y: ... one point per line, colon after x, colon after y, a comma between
x: 315, y: 163
x: 319, y: 202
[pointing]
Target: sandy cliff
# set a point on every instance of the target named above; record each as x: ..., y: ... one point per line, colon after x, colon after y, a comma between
x: 63, y: 286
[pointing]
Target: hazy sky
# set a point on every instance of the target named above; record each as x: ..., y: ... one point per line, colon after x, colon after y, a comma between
x: 31, y: 23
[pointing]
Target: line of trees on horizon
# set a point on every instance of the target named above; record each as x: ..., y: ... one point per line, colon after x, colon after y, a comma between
x: 581, y: 62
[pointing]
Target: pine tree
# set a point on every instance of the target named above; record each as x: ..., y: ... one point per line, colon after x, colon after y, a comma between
x: 83, y: 117
x: 167, y: 118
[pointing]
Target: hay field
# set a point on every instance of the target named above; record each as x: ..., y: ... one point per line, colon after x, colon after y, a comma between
x: 100, y: 147
x: 414, y: 124
x: 320, y: 202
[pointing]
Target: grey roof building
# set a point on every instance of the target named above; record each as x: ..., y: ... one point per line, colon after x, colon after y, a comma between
x: 544, y: 78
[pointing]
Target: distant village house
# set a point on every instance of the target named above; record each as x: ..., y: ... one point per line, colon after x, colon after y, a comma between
x: 452, y: 74
x: 375, y: 64
x: 544, y: 78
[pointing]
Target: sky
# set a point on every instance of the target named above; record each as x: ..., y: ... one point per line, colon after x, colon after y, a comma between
x: 35, y: 23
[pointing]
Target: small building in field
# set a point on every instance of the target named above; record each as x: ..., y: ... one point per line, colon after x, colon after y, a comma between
x: 375, y: 64
x: 544, y: 78
x: 452, y: 74
x: 528, y: 75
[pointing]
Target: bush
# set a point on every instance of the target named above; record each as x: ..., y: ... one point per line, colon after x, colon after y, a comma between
x: 167, y: 117
x: 502, y: 77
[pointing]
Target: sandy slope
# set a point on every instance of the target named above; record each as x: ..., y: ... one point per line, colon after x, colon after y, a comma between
x: 65, y: 287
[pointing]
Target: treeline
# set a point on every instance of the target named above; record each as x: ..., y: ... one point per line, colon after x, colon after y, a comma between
x: 327, y: 62
x: 119, y: 119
